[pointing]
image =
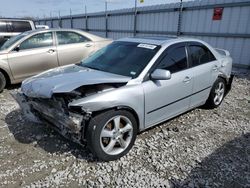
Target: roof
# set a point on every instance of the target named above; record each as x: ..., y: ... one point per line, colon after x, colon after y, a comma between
x: 156, y: 40
x: 160, y: 40
x: 15, y: 19
x: 86, y: 34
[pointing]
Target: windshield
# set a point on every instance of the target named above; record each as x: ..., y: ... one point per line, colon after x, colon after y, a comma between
x: 123, y: 58
x: 12, y: 41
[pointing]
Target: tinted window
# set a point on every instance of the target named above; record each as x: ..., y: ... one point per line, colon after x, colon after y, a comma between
x: 2, y: 41
x: 37, y: 41
x: 13, y: 40
x: 20, y: 26
x: 123, y: 58
x: 175, y: 60
x: 3, y: 27
x: 64, y: 37
x: 200, y: 55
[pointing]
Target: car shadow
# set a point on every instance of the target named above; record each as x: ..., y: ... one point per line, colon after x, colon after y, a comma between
x: 13, y: 86
x: 43, y: 136
x: 228, y: 166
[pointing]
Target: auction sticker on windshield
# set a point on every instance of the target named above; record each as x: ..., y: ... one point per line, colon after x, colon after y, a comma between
x: 148, y: 46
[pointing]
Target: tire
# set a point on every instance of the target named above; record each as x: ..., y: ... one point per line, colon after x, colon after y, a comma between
x: 107, y: 141
x: 217, y: 94
x: 2, y: 82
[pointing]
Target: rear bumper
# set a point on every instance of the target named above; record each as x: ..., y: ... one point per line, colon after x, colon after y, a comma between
x: 229, y: 83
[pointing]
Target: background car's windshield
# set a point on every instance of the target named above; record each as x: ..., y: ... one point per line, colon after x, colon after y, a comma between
x: 12, y: 41
x: 123, y: 58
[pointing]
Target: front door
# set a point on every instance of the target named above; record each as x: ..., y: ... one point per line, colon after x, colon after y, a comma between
x: 32, y: 56
x: 167, y: 98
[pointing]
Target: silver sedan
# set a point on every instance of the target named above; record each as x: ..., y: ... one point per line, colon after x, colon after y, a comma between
x: 35, y: 51
x: 126, y: 87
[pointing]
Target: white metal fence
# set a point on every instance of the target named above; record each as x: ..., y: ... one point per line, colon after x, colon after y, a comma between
x: 232, y: 32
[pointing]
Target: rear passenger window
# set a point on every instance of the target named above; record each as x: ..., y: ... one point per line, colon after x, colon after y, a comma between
x: 37, y: 41
x: 20, y: 26
x: 175, y: 60
x: 200, y: 55
x: 65, y: 37
x: 3, y: 27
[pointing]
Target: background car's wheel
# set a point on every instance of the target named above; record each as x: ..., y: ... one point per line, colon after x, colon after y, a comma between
x: 2, y: 82
x: 110, y: 135
x: 217, y: 94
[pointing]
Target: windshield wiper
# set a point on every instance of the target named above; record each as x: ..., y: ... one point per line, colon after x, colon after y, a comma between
x: 95, y: 68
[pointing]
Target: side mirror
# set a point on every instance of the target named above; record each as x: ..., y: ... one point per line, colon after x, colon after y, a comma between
x: 16, y: 49
x: 161, y: 74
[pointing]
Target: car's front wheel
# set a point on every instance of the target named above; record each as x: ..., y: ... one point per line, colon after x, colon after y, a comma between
x: 217, y: 94
x: 110, y: 135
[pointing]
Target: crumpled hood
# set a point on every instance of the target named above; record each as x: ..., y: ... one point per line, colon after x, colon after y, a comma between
x: 66, y: 79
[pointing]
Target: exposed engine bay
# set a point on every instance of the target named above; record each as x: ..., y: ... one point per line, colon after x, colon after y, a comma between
x: 69, y: 121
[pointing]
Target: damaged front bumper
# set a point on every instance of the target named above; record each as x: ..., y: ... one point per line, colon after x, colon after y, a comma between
x: 54, y: 112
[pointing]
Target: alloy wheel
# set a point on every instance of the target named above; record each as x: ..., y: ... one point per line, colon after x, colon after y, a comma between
x: 116, y: 135
x: 219, y: 93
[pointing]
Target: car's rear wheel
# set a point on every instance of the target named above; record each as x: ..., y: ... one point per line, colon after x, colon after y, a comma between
x: 2, y: 82
x: 217, y: 94
x: 110, y: 135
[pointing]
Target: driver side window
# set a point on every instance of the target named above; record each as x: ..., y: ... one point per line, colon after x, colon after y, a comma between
x: 175, y: 60
x: 37, y: 41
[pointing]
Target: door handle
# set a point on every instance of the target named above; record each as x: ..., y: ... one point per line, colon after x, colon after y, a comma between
x: 215, y: 68
x: 88, y: 45
x: 187, y: 79
x: 50, y: 51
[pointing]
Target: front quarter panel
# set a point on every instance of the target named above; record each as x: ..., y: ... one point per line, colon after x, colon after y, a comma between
x: 5, y: 66
x: 127, y: 96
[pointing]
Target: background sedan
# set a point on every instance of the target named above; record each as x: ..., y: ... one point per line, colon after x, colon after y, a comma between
x: 32, y: 52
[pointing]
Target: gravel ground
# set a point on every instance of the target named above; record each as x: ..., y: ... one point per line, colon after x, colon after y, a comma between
x: 202, y: 148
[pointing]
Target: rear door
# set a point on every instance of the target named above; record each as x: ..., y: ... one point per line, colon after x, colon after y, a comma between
x: 167, y: 98
x: 72, y: 47
x: 32, y: 56
x: 205, y: 69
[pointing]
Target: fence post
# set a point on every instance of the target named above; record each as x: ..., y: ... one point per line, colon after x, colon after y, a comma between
x: 52, y: 23
x: 135, y: 19
x: 86, y: 19
x: 179, y: 19
x: 86, y: 23
x: 59, y: 19
x: 106, y: 19
x: 71, y: 19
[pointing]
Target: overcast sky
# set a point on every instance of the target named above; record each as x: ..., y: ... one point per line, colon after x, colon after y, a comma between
x: 41, y: 8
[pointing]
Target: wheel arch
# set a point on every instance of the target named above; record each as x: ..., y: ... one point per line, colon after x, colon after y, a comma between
x: 95, y: 113
x: 6, y: 75
x: 228, y: 82
x: 222, y: 76
x: 122, y: 107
